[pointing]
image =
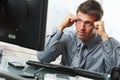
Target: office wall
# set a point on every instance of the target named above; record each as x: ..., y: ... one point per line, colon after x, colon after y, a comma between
x: 58, y: 10
x: 112, y: 17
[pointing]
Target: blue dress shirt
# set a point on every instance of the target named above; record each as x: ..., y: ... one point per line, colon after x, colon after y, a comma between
x: 100, y: 56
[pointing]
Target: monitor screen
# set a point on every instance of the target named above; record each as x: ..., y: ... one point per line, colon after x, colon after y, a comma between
x: 23, y: 22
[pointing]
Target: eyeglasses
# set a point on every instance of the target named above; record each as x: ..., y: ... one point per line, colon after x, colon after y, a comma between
x: 86, y: 23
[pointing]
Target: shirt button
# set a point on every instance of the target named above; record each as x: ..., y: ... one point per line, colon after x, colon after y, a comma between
x: 106, y: 45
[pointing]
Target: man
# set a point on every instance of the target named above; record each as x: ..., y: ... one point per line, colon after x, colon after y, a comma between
x: 100, y: 52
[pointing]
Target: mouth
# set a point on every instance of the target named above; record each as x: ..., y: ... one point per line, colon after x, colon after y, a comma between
x: 81, y: 33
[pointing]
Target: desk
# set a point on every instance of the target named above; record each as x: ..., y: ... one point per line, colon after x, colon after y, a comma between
x: 31, y: 69
x: 5, y: 66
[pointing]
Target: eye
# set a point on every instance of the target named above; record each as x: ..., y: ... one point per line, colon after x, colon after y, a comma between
x: 79, y: 20
x: 89, y: 23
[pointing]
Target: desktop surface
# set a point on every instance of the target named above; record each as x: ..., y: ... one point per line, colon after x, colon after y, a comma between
x: 26, y: 72
x: 45, y: 71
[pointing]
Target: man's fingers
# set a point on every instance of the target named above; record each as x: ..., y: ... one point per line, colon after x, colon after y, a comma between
x: 72, y: 18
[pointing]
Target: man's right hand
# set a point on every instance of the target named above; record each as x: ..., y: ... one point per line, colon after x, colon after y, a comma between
x: 68, y: 21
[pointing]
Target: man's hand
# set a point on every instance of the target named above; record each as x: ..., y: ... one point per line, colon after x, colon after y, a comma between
x: 99, y: 26
x: 69, y: 20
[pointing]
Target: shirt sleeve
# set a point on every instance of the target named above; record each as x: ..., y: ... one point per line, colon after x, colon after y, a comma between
x: 53, y: 48
x: 111, y: 48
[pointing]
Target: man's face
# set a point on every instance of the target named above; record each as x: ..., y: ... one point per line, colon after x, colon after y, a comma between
x: 85, y: 26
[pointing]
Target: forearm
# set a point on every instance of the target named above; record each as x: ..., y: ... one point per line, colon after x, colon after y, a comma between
x: 111, y: 49
x: 104, y: 37
x: 50, y: 53
x: 56, y: 36
x: 107, y: 46
x: 61, y: 27
x: 52, y: 48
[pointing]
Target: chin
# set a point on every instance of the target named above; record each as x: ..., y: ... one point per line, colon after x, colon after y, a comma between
x: 82, y: 38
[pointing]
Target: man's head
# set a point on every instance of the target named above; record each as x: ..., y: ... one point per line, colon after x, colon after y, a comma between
x: 88, y: 12
x: 91, y: 7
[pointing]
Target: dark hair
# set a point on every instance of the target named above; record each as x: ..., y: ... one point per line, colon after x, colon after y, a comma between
x: 91, y: 7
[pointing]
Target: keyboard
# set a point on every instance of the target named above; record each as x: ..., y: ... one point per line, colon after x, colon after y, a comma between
x: 67, y: 70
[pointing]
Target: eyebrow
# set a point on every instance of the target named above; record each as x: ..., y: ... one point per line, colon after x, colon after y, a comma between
x: 78, y: 19
x: 88, y: 22
x: 85, y: 21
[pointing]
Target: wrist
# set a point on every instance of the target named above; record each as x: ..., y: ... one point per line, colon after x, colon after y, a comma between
x: 104, y: 37
x: 61, y: 27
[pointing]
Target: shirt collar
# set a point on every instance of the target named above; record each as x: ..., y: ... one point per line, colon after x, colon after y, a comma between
x: 91, y: 43
x: 79, y: 41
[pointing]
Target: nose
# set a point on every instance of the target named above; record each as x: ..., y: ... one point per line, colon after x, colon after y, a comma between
x: 82, y: 26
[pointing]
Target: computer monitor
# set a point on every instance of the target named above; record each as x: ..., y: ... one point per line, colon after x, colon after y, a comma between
x: 23, y: 22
